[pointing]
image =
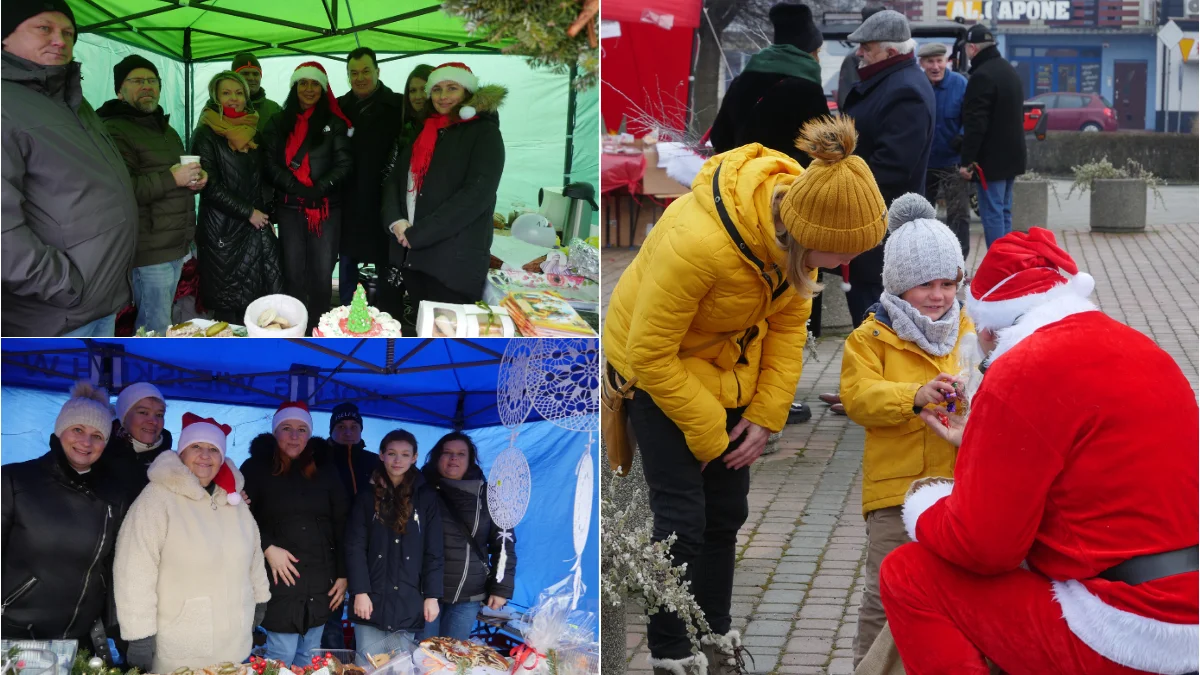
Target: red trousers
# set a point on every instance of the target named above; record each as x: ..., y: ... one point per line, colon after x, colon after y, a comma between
x: 945, y: 620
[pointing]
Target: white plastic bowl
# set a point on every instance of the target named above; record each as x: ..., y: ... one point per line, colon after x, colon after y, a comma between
x: 286, y: 306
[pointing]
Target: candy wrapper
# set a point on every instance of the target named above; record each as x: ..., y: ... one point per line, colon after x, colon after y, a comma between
x: 969, y: 376
x: 559, y: 641
x: 583, y: 259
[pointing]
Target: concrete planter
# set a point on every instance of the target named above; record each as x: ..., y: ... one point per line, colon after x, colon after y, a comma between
x: 1031, y: 205
x: 1118, y: 205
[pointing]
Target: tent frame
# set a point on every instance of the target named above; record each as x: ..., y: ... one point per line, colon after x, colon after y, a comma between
x: 105, y: 363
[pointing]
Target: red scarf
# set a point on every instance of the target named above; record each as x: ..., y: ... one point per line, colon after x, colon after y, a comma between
x: 315, y: 215
x: 866, y: 72
x: 233, y: 114
x: 422, y: 152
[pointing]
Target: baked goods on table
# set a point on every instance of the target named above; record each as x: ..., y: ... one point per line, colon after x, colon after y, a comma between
x: 204, y: 328
x: 357, y: 320
x: 443, y: 653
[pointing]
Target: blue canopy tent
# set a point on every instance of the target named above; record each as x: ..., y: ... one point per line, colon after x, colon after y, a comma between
x: 426, y: 386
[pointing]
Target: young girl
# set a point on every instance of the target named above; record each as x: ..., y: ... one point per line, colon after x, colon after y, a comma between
x: 901, y: 359
x: 394, y: 546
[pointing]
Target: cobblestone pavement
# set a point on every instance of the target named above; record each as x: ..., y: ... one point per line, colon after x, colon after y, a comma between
x: 801, y: 552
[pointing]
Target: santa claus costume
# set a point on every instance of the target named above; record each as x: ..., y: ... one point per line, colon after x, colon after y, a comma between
x: 1080, y: 461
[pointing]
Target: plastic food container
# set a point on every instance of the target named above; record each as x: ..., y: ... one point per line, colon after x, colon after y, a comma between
x: 285, y: 306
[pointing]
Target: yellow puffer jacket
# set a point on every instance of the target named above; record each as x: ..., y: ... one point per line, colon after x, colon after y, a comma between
x: 881, y: 374
x: 690, y: 284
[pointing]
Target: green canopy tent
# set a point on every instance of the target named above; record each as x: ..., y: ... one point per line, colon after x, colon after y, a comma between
x: 192, y: 40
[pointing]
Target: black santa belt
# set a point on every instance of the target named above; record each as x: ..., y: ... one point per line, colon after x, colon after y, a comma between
x: 1145, y: 568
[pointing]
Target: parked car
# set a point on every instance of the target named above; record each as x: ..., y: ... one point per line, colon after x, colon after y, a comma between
x: 1069, y: 111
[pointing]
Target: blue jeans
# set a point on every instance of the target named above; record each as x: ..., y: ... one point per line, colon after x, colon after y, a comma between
x: 154, y: 294
x: 454, y: 620
x: 103, y: 327
x: 995, y: 209
x: 294, y: 648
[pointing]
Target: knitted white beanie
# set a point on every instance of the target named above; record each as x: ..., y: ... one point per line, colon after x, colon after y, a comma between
x: 130, y: 396
x: 920, y: 248
x: 88, y: 406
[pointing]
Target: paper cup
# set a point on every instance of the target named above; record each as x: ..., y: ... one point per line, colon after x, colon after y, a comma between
x: 189, y: 159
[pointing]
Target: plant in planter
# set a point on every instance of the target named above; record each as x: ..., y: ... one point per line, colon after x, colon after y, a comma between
x: 634, y: 566
x: 1118, y: 198
x: 1031, y: 201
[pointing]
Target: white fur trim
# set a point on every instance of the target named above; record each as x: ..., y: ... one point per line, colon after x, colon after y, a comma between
x: 919, y: 502
x: 1000, y: 314
x: 1056, y: 304
x: 466, y: 112
x: 202, y: 432
x: 460, y: 75
x: 697, y: 664
x: 724, y: 643
x: 291, y: 413
x: 1126, y: 638
x: 350, y: 132
x: 309, y: 73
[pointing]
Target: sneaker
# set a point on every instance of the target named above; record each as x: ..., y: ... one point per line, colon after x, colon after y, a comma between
x: 799, y: 413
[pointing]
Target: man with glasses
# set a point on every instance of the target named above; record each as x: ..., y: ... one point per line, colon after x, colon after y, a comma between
x: 69, y: 216
x: 164, y: 188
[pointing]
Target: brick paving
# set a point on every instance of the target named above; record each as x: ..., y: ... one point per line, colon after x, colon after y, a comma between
x: 801, y: 553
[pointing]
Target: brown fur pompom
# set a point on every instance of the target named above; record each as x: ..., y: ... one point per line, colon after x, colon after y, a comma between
x: 828, y: 139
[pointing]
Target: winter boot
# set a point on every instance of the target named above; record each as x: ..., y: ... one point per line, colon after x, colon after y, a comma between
x: 693, y: 665
x: 725, y: 653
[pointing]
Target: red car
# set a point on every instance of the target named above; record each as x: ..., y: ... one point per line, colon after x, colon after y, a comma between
x: 1068, y: 111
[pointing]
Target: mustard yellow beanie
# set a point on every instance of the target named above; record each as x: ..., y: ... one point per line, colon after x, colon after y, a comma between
x: 834, y: 205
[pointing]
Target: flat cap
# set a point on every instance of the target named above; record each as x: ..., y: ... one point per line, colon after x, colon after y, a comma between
x: 886, y: 26
x: 932, y: 49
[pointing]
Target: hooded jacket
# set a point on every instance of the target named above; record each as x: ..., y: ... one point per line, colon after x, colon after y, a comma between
x: 68, y: 207
x: 376, y: 120
x: 189, y: 570
x: 690, y: 283
x: 465, y: 517
x: 398, y: 572
x: 59, y: 531
x: 305, y: 517
x: 166, y: 212
x: 881, y: 374
x: 451, y: 235
x: 779, y: 91
x: 127, y: 464
x: 265, y: 107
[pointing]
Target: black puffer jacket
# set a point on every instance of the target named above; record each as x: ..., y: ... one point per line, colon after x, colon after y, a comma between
x: 128, y: 465
x: 376, y: 121
x: 59, y: 533
x: 330, y: 161
x: 306, y: 518
x: 238, y: 263
x: 451, y: 236
x: 355, y: 466
x: 993, y: 112
x: 397, y: 571
x: 467, y: 577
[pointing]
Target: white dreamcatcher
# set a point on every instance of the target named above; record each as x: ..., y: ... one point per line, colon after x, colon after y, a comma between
x: 514, y: 385
x: 566, y: 383
x: 508, y: 496
x: 585, y: 486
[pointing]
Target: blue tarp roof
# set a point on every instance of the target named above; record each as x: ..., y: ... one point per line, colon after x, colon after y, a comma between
x: 425, y: 381
x: 240, y: 382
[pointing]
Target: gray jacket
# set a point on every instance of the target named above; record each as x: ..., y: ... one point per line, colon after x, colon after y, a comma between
x: 70, y: 219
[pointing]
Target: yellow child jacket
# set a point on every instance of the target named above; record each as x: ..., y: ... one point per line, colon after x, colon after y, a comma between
x: 881, y: 374
x: 690, y: 283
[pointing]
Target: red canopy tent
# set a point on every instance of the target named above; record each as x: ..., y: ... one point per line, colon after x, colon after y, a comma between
x: 649, y: 63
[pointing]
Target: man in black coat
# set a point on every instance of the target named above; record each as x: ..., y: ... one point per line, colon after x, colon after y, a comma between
x: 779, y: 90
x: 894, y: 111
x: 993, y: 148
x: 376, y: 113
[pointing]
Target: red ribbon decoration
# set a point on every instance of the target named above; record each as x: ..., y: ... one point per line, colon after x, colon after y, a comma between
x: 521, y: 653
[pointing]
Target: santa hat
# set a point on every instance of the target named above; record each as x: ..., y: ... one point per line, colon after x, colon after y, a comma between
x: 1018, y: 273
x: 197, y: 429
x: 845, y: 278
x: 296, y: 411
x: 459, y: 73
x: 311, y: 70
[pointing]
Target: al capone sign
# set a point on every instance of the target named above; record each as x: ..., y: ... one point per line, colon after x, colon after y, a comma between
x: 1010, y: 10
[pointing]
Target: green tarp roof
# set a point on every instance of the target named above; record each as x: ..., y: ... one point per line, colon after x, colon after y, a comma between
x: 221, y: 28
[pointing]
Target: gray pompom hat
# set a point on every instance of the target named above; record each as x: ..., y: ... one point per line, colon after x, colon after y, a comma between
x: 920, y: 247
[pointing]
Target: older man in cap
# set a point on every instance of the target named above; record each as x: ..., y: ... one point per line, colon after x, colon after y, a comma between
x: 893, y: 109
x: 848, y: 76
x: 70, y: 217
x: 942, y: 180
x: 779, y: 90
x: 246, y: 65
x: 993, y: 148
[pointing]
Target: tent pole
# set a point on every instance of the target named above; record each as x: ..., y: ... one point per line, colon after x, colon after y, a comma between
x: 571, y: 101
x: 459, y: 420
x: 187, y: 88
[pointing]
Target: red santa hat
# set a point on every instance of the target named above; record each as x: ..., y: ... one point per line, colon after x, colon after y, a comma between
x: 296, y: 411
x: 1020, y: 272
x: 197, y: 429
x: 458, y: 73
x: 311, y: 70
